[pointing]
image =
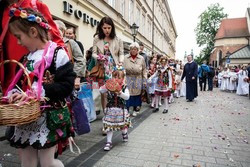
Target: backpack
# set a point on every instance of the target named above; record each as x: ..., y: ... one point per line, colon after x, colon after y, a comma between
x: 211, y: 72
x: 204, y: 73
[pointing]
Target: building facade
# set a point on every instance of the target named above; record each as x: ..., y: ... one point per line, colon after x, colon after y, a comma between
x: 232, y: 36
x: 156, y: 26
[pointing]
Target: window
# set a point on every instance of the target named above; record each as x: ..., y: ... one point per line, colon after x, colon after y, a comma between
x: 156, y: 10
x: 220, y: 58
x: 149, y: 29
x: 123, y: 7
x: 131, y: 12
x: 143, y: 24
x: 138, y: 14
x: 112, y: 3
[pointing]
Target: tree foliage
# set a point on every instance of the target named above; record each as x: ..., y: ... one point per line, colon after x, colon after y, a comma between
x: 207, y: 28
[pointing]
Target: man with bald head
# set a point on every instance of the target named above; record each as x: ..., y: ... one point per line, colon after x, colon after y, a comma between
x: 190, y: 72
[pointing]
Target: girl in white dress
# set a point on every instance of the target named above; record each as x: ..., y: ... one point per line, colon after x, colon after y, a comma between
x: 243, y: 85
x: 178, y: 83
x: 225, y: 79
x: 232, y: 80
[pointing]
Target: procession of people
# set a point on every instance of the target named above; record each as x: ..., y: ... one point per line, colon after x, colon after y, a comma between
x: 58, y: 68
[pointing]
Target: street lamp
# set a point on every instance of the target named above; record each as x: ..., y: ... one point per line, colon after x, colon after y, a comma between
x: 134, y: 29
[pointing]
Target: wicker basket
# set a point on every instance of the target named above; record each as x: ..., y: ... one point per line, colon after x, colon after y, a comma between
x: 113, y: 85
x: 14, y: 114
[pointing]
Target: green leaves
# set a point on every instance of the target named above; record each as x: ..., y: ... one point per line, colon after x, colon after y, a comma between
x: 207, y: 28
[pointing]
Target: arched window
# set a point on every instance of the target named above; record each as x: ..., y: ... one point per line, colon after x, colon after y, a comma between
x: 220, y: 57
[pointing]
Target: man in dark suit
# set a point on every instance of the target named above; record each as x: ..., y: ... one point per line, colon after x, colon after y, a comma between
x: 190, y: 72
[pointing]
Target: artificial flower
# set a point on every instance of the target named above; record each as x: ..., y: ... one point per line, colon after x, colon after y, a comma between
x: 17, y: 12
x: 31, y: 17
x: 23, y: 15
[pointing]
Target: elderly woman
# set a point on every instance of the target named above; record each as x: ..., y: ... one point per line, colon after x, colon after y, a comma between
x: 77, y: 58
x: 136, y: 76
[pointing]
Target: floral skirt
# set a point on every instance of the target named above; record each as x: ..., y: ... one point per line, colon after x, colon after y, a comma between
x: 37, y: 135
x: 163, y: 93
x: 116, y: 119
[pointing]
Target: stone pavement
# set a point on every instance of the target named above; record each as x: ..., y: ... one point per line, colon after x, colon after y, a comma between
x: 212, y: 131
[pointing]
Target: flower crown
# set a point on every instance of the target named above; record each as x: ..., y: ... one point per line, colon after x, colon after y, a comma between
x: 19, y: 12
x: 101, y: 57
x: 118, y: 68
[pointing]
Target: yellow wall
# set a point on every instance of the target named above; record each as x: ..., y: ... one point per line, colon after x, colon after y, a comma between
x: 84, y: 31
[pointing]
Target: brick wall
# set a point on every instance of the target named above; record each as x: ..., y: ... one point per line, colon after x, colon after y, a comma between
x: 224, y: 49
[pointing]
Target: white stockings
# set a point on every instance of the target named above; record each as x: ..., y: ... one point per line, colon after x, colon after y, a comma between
x: 29, y: 157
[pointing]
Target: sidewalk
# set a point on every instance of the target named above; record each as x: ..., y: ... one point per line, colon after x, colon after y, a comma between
x: 88, y: 143
x: 213, y: 131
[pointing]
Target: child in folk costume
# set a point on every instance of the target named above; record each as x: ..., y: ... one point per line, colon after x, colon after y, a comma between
x: 40, y: 136
x: 116, y: 115
x: 178, y: 83
x: 173, y: 72
x: 243, y: 85
x: 224, y: 79
x: 151, y: 88
x: 232, y: 80
x: 163, y: 85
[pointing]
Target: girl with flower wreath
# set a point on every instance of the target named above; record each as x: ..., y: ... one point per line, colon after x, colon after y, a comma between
x: 116, y: 116
x: 163, y: 86
x: 37, y: 141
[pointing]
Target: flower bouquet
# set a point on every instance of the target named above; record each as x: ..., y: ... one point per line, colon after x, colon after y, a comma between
x: 246, y: 79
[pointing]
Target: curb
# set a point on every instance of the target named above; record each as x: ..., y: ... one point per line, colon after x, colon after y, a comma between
x: 96, y: 152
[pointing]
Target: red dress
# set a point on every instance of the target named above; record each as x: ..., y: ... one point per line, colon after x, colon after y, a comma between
x: 15, y: 51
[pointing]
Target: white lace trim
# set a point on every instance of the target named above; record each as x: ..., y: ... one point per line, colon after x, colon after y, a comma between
x: 35, y: 131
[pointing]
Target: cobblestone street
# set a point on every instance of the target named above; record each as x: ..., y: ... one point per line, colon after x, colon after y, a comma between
x: 212, y: 131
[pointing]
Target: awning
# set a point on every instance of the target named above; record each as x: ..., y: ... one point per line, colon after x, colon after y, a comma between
x: 243, y: 53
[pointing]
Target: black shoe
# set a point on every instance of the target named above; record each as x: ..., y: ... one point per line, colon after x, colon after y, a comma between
x: 189, y: 100
x: 165, y: 111
x: 156, y: 110
x: 98, y: 112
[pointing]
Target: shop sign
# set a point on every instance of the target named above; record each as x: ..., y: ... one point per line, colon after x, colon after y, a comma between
x: 79, y: 14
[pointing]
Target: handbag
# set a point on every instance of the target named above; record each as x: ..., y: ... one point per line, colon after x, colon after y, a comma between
x: 145, y: 96
x: 97, y: 71
x: 58, y: 118
x: 80, y: 119
x: 86, y: 95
